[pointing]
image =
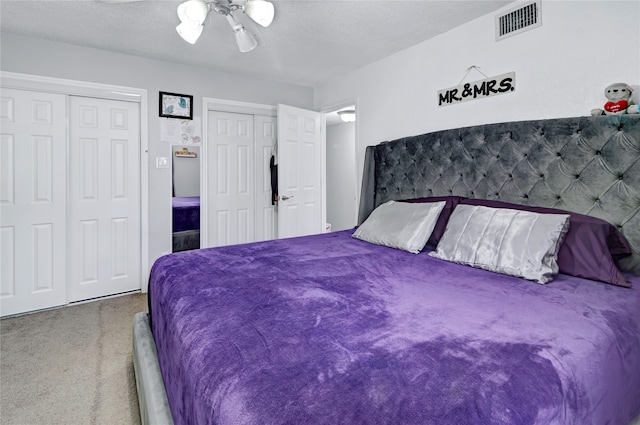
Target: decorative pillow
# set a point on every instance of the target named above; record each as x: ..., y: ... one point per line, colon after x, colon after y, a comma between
x: 517, y: 243
x: 441, y: 224
x: 589, y: 249
x: 400, y: 225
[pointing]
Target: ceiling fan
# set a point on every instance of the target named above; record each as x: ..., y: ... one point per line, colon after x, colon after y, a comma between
x: 193, y: 13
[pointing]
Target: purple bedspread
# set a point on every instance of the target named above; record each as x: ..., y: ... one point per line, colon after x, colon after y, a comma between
x: 186, y: 213
x: 331, y: 330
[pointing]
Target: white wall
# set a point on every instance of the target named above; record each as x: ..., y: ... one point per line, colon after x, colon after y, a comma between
x: 341, y: 176
x: 41, y: 57
x: 561, y: 70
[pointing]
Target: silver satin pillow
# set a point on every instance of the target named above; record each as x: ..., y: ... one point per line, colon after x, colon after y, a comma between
x: 517, y: 243
x: 401, y: 225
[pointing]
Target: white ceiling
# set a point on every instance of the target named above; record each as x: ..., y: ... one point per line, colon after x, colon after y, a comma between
x: 309, y: 41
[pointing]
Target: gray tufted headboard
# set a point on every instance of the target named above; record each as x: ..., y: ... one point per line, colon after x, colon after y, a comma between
x: 589, y: 165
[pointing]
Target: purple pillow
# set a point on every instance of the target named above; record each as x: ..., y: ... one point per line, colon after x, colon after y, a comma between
x: 441, y: 224
x: 588, y: 249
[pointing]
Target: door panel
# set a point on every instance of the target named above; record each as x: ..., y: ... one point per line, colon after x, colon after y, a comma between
x: 231, y: 188
x: 32, y: 201
x: 299, y: 172
x: 266, y: 216
x: 104, y: 198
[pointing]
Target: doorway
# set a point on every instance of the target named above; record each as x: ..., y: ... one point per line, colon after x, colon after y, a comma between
x: 341, y: 169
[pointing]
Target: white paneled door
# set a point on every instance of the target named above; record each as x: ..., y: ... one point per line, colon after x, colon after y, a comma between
x: 32, y: 201
x: 231, y: 188
x: 104, y: 198
x: 266, y: 218
x: 299, y: 172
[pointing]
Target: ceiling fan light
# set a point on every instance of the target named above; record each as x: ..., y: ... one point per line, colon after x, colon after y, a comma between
x: 189, y: 33
x: 193, y: 12
x: 246, y: 41
x: 260, y: 11
x: 347, y: 115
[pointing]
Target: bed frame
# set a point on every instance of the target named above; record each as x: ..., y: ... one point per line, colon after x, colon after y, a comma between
x: 185, y: 240
x: 590, y: 165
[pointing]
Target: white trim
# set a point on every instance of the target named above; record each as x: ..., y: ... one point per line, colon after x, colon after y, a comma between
x: 222, y: 105
x: 70, y: 87
x: 104, y: 91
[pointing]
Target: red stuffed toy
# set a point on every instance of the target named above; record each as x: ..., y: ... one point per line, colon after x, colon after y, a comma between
x: 619, y: 96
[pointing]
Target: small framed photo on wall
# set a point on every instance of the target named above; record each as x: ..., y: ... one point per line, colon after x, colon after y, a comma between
x: 174, y: 105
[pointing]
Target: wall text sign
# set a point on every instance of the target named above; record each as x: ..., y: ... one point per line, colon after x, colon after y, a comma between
x: 488, y: 87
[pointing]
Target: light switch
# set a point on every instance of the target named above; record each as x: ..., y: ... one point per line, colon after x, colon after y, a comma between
x: 162, y: 162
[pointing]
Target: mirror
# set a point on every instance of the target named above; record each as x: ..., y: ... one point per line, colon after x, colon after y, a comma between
x: 185, y: 197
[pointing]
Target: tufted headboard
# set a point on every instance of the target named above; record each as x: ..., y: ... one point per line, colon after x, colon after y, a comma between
x: 589, y: 165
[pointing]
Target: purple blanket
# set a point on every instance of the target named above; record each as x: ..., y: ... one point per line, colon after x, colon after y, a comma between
x: 331, y: 330
x: 186, y: 213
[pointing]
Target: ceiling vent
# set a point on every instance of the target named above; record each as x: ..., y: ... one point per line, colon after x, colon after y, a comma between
x: 515, y: 21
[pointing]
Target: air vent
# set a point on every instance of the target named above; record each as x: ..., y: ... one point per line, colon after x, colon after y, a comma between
x: 515, y: 21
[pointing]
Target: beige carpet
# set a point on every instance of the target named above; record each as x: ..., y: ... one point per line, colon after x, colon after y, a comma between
x: 72, y: 365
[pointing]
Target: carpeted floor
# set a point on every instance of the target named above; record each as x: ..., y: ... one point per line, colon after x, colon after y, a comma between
x: 71, y: 365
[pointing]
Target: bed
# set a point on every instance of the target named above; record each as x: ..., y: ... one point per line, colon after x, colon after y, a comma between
x: 186, y: 222
x: 331, y: 329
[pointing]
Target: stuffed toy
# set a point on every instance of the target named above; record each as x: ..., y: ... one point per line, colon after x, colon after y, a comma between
x: 619, y: 101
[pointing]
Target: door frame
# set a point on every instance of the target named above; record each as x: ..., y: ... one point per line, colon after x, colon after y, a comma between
x: 220, y: 105
x: 68, y: 87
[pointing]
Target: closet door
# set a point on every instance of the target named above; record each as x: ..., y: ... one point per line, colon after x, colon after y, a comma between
x: 32, y: 201
x: 266, y: 218
x: 104, y: 197
x: 230, y: 189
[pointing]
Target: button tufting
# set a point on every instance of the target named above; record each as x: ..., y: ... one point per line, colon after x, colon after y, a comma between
x: 525, y: 196
x: 558, y: 154
x: 577, y: 176
x: 598, y: 153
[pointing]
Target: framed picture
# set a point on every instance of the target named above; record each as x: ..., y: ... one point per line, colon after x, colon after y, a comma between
x: 174, y: 105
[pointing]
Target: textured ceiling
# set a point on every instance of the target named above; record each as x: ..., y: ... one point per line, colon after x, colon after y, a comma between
x: 308, y: 42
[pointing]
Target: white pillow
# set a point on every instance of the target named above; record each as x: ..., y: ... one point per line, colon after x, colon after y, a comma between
x: 401, y: 225
x: 517, y: 243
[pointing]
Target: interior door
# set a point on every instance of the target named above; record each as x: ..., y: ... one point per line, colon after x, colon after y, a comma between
x: 104, y: 197
x: 32, y: 201
x: 265, y: 139
x: 230, y: 189
x: 300, y: 209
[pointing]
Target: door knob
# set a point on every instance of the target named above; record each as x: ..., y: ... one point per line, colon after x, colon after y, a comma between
x: 284, y: 197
